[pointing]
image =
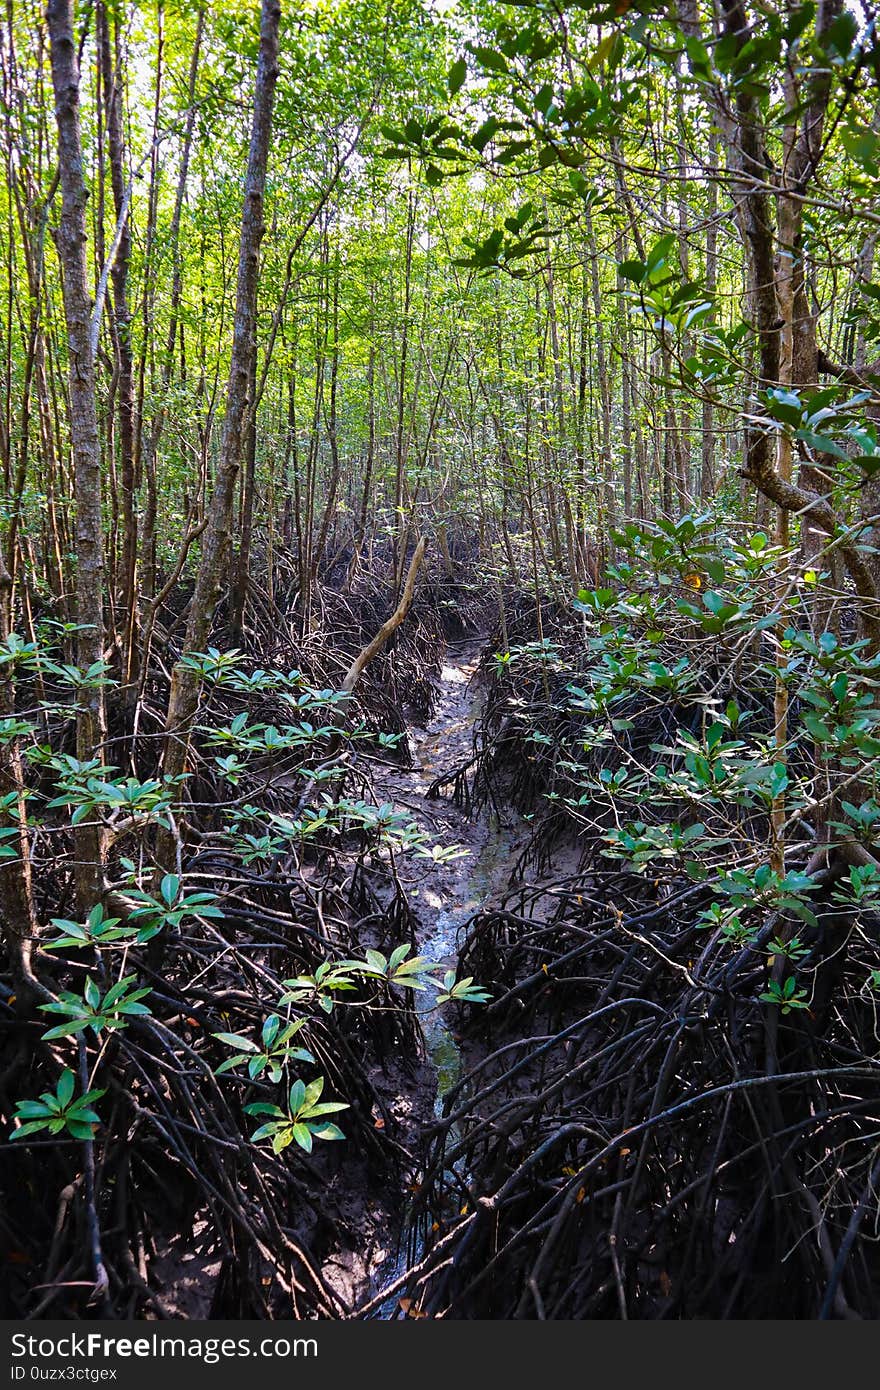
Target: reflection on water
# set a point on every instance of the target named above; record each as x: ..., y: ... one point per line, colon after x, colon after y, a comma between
x: 476, y: 877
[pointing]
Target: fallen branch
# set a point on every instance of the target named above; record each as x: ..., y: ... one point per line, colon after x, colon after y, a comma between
x: 390, y: 625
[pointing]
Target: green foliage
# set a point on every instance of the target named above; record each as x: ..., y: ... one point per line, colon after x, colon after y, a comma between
x: 170, y: 908
x: 272, y: 1054
x: 399, y: 968
x: 93, y: 797
x: 462, y: 991
x: 473, y: 301
x: 785, y: 996
x: 97, y: 930
x: 57, y: 1112
x: 98, y: 1012
x: 700, y: 807
x: 302, y: 1122
x: 320, y: 988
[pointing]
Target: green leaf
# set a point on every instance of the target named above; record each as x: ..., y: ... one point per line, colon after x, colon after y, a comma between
x: 327, y: 1131
x: 170, y: 888
x: 398, y: 955
x: 115, y: 992
x: 659, y: 252
x: 29, y: 1109
x: 32, y: 1127
x: 490, y: 58
x: 457, y: 75
x: 231, y: 1063
x: 303, y: 1136
x: 264, y: 1131
x: 821, y: 443
x: 312, y: 1092
x: 64, y: 1089
x: 64, y: 1030
x: 608, y: 48
x: 485, y: 133
x: 236, y: 1040
x: 81, y: 1128
x: 841, y: 34
x: 377, y: 962
x: 633, y: 270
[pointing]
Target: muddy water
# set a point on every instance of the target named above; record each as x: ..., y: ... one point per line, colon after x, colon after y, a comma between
x: 444, y: 895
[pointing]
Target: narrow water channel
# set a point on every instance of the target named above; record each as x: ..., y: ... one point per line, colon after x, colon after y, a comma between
x: 444, y: 895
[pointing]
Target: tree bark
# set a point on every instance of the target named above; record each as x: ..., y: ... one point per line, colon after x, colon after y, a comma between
x: 71, y: 243
x: 391, y: 624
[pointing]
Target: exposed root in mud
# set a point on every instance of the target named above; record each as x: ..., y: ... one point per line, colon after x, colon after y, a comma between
x: 630, y: 1155
x: 635, y: 1135
x: 622, y: 1131
x: 179, y: 1185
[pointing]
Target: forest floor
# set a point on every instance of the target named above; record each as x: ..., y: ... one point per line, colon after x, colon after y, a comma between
x: 612, y: 1017
x: 371, y: 1240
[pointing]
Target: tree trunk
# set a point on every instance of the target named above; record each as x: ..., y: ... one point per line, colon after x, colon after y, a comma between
x: 125, y: 361
x: 185, y: 684
x: 71, y: 242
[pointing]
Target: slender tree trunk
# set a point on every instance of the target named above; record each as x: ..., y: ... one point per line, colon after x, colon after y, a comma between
x: 367, y: 491
x: 18, y: 922
x: 246, y: 520
x: 185, y: 684
x: 707, y: 444
x: 125, y: 393
x: 71, y: 242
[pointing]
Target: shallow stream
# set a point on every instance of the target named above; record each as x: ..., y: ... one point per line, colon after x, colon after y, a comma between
x: 445, y: 895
